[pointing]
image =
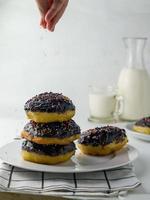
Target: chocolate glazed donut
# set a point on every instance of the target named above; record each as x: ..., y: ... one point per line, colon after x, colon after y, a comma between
x: 51, y: 150
x: 47, y: 154
x: 142, y: 125
x: 145, y: 122
x: 49, y: 107
x: 51, y: 133
x: 102, y: 141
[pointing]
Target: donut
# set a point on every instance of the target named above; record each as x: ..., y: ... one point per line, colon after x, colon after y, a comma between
x: 51, y: 133
x: 47, y: 154
x: 49, y: 107
x: 102, y: 141
x: 142, y: 125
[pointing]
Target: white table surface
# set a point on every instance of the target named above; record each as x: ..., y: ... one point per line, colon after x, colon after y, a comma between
x: 10, y: 128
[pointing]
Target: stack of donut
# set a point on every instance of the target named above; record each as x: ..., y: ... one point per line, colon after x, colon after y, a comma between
x: 50, y: 133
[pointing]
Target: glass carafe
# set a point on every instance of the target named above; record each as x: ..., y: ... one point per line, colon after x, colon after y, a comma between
x: 134, y: 81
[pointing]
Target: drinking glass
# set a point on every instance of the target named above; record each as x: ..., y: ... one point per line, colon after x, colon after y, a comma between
x: 104, y: 104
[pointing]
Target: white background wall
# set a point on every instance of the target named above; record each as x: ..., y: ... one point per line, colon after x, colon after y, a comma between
x: 85, y: 48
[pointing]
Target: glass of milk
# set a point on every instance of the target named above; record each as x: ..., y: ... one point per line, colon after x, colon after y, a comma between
x: 104, y: 104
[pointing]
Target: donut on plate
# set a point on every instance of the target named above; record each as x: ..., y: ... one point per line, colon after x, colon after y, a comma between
x: 51, y: 133
x: 47, y: 154
x: 142, y: 125
x: 102, y: 141
x: 49, y: 107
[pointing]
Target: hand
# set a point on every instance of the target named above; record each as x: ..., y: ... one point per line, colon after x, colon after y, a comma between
x: 51, y: 11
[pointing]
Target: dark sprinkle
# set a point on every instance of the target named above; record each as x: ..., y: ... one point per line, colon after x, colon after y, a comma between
x: 102, y: 136
x: 52, y: 150
x: 145, y: 122
x: 49, y: 102
x: 53, y: 129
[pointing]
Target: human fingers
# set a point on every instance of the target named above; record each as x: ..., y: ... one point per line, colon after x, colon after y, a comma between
x: 43, y: 6
x: 54, y: 9
x: 43, y: 22
x: 57, y: 17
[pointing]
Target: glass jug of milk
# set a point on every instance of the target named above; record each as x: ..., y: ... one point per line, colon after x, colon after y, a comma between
x: 134, y: 81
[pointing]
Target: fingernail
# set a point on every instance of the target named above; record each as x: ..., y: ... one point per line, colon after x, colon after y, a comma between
x: 49, y: 27
x: 43, y: 26
x: 52, y: 29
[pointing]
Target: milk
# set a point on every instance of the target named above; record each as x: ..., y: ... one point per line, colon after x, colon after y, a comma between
x: 134, y: 86
x: 102, y: 105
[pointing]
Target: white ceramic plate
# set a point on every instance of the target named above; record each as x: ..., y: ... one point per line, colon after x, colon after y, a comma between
x: 135, y: 134
x: 11, y: 154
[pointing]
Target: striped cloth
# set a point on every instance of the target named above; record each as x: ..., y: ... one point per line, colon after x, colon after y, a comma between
x: 72, y: 185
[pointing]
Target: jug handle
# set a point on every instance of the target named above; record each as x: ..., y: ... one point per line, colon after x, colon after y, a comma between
x: 119, y: 107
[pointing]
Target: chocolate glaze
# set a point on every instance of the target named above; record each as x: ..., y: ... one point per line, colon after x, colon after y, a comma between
x: 49, y: 102
x: 53, y: 129
x: 145, y: 122
x: 51, y: 150
x: 102, y: 136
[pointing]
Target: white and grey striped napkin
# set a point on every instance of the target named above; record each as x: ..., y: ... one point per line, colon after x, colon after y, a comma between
x: 71, y: 185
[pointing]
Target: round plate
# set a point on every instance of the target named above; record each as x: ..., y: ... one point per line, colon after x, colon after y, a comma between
x: 138, y: 135
x: 11, y: 154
